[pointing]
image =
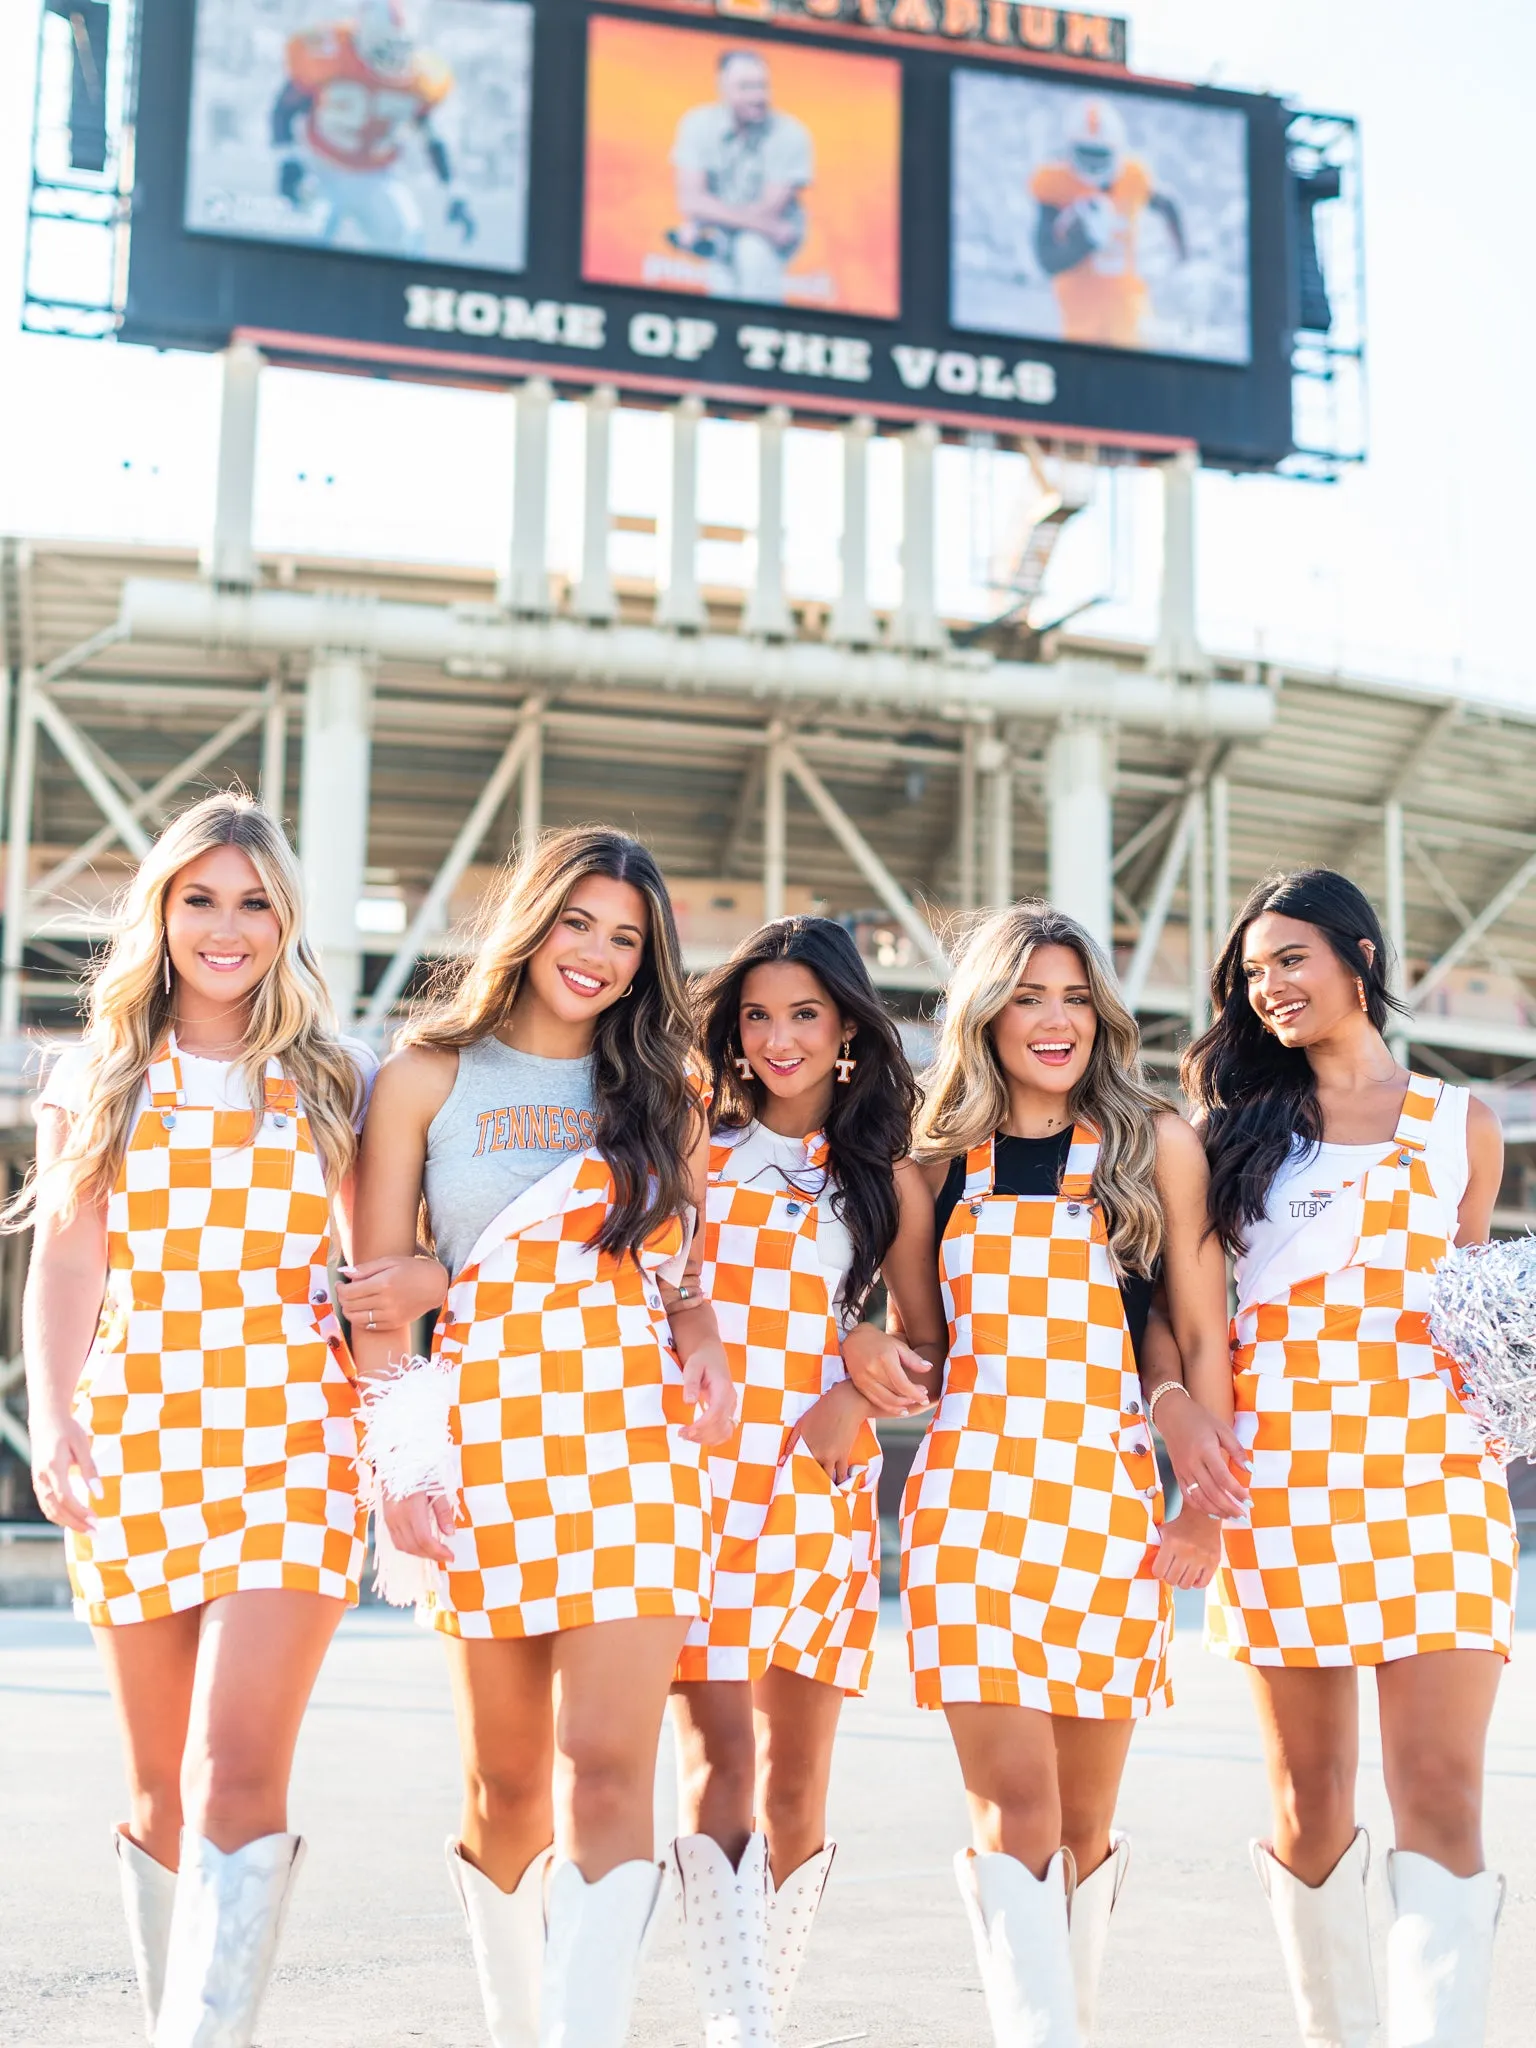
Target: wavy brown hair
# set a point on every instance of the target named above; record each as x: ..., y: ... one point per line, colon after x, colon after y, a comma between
x: 966, y: 1090
x: 869, y: 1126
x: 129, y: 1012
x: 648, y: 1113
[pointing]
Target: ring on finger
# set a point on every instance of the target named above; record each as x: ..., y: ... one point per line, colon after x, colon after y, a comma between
x: 371, y: 1323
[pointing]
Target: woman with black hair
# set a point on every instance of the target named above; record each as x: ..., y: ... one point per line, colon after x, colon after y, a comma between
x: 1380, y: 1532
x: 810, y: 1199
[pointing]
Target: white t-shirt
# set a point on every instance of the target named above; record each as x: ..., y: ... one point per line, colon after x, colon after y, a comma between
x: 207, y: 1084
x: 762, y: 1158
x: 740, y: 164
x: 1312, y: 1218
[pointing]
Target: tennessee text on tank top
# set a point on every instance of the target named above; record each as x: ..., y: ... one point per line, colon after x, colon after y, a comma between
x: 509, y: 1118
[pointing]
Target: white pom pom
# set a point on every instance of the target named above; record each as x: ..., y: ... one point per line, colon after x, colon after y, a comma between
x: 406, y: 1438
x: 1483, y: 1312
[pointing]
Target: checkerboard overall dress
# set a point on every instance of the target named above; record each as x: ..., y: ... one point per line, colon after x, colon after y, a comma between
x: 797, y: 1559
x: 219, y: 1393
x: 1380, y: 1525
x: 579, y: 1500
x: 1030, y: 1519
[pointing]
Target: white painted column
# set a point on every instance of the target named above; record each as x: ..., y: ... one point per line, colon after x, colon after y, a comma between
x: 994, y: 761
x: 333, y: 814
x: 525, y: 586
x: 1221, y: 860
x: 681, y: 605
x: 767, y: 612
x: 229, y: 558
x: 18, y: 858
x: 1395, y: 894
x: 274, y: 751
x: 594, y: 594
x: 1199, y: 921
x: 1178, y: 650
x: 775, y: 834
x: 530, y: 790
x: 852, y: 623
x: 1078, y: 782
x: 917, y: 623
x: 965, y: 820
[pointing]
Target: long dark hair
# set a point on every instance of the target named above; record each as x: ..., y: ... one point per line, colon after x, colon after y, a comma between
x: 647, y: 1115
x: 1257, y: 1094
x: 869, y: 1126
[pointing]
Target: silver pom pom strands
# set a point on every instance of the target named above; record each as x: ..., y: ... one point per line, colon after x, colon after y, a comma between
x: 1483, y: 1312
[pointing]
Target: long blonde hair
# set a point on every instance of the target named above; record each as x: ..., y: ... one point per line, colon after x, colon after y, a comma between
x: 647, y: 1108
x: 129, y: 1011
x: 966, y: 1091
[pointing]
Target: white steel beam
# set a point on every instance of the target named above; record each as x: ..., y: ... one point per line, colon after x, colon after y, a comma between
x: 1460, y: 946
x: 852, y: 623
x: 467, y: 638
x: 1177, y: 651
x: 1155, y: 916
x: 18, y: 856
x: 1078, y: 783
x: 1395, y: 894
x: 1221, y: 859
x: 918, y: 625
x: 965, y: 821
x: 525, y: 588
x: 71, y: 744
x: 431, y: 915
x: 530, y: 784
x: 1199, y: 919
x: 995, y: 761
x: 274, y: 749
x: 775, y: 832
x: 680, y: 604
x: 864, y: 857
x: 594, y: 593
x: 229, y: 558
x: 333, y: 814
x: 767, y: 611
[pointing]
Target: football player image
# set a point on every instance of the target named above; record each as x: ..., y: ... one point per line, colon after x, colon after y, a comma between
x: 1091, y: 208
x: 742, y: 168
x: 356, y: 93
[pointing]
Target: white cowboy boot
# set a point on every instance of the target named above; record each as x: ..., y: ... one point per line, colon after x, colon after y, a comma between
x: 1093, y: 1901
x: 506, y: 1933
x: 592, y: 1949
x: 224, y: 1933
x: 1325, y: 1942
x: 149, y: 1893
x: 1019, y: 1925
x: 792, y: 1910
x: 725, y: 1928
x: 1439, y: 1953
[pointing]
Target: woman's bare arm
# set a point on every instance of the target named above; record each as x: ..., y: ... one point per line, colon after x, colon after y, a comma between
x: 707, y: 1381
x: 1485, y: 1172
x: 411, y: 1088
x: 899, y: 1370
x: 66, y: 1280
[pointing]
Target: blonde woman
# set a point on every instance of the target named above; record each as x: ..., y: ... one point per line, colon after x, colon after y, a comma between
x: 1036, y: 1581
x: 546, y: 1464
x: 191, y: 1398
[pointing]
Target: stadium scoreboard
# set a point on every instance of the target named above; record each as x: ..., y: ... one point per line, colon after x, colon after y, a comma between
x: 968, y: 211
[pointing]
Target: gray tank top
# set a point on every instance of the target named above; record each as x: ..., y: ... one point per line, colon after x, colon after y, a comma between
x: 508, y: 1121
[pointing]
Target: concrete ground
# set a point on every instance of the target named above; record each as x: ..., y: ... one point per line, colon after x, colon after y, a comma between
x: 375, y: 1952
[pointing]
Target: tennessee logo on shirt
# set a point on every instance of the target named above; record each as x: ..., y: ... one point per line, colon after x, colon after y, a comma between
x: 535, y: 1127
x: 1313, y: 1204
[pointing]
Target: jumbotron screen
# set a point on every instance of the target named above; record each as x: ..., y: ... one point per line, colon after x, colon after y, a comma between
x: 974, y: 214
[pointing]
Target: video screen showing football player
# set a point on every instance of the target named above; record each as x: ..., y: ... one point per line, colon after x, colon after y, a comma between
x: 359, y: 94
x: 1091, y: 205
x: 742, y: 168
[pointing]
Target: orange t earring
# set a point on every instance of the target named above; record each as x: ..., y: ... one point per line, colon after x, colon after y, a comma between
x: 1360, y: 991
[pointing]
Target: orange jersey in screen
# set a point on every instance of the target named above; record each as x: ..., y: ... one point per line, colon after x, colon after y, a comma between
x: 1102, y: 298
x: 355, y: 113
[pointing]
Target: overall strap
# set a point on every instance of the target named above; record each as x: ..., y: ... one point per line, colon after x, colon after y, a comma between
x: 817, y: 1150
x: 165, y: 1086
x: 1082, y: 1158
x: 1419, y: 1106
x: 281, y: 1096
x: 979, y: 1170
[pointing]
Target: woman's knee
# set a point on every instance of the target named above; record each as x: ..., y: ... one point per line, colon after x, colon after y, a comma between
x: 233, y: 1792
x: 509, y: 1792
x: 1317, y: 1794
x: 1438, y: 1789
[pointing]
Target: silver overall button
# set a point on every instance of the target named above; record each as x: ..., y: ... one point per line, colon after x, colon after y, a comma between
x: 793, y: 1208
x: 1074, y: 1208
x: 168, y: 1118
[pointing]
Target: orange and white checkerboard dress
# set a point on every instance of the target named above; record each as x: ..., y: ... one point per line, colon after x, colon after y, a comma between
x: 579, y: 1500
x: 1030, y: 1519
x: 1380, y: 1524
x: 797, y: 1559
x: 219, y: 1394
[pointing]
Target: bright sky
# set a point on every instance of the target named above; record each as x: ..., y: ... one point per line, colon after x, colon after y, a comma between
x: 1415, y: 567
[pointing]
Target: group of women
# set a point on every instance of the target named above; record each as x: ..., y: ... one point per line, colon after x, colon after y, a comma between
x: 641, y: 1461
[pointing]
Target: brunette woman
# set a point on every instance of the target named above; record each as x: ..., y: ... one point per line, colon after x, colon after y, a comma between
x: 1381, y: 1531
x: 1036, y: 1578
x: 811, y: 1197
x: 544, y: 1110
x: 192, y: 1402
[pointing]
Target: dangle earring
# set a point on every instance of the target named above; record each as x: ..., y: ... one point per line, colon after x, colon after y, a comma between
x: 743, y: 1066
x: 845, y: 1065
x: 167, y: 967
x: 1360, y: 991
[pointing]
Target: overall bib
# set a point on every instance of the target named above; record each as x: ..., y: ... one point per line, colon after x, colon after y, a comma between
x: 579, y: 1502
x: 219, y: 1393
x: 797, y: 1566
x: 1380, y: 1524
x: 1030, y: 1519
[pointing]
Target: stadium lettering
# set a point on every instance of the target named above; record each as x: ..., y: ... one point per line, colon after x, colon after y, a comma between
x: 1009, y: 24
x: 442, y: 310
x: 966, y: 376
x: 684, y: 340
x: 843, y: 356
